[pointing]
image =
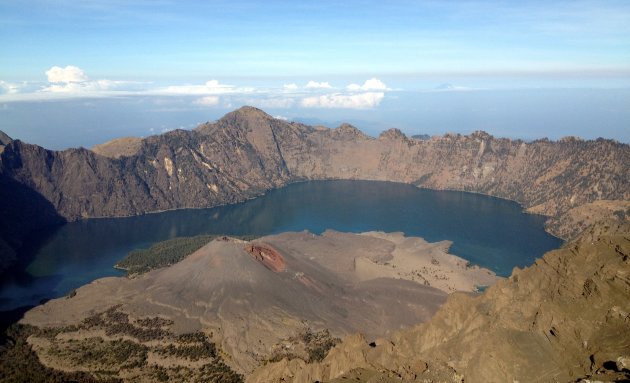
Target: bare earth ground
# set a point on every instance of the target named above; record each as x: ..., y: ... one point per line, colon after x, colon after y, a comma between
x: 120, y: 147
x: 253, y: 299
x: 563, y: 319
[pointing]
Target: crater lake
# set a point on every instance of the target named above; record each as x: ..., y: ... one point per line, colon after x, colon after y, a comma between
x: 487, y: 231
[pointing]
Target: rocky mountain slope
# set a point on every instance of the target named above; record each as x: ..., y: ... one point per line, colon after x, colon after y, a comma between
x: 564, y: 319
x: 247, y: 152
x: 258, y: 301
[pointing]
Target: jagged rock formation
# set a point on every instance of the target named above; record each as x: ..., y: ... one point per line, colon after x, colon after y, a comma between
x: 564, y: 319
x: 247, y: 152
x: 4, y: 140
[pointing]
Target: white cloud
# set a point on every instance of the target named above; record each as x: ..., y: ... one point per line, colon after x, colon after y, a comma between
x: 9, y: 87
x: 210, y: 87
x: 337, y: 100
x: 69, y: 74
x: 318, y: 85
x: 447, y: 87
x: 371, y: 84
x: 208, y: 101
x: 110, y: 84
x: 283, y: 118
x: 86, y: 87
x: 271, y: 103
x: 70, y: 87
x: 73, y: 82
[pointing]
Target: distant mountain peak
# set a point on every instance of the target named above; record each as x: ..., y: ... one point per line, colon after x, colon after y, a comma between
x: 250, y: 111
x: 571, y: 139
x: 347, y: 127
x: 481, y: 134
x: 4, y: 138
x: 246, y: 118
x: 348, y: 130
x: 392, y: 134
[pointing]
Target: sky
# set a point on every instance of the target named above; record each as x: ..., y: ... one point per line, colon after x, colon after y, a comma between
x: 509, y: 67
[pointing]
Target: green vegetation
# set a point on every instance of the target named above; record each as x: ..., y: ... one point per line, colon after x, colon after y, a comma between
x: 219, y: 372
x: 165, y: 253
x: 215, y: 372
x: 121, y: 353
x: 308, y: 345
x: 318, y: 344
x: 115, y: 322
x: 192, y: 352
x: 19, y: 364
x: 101, y: 354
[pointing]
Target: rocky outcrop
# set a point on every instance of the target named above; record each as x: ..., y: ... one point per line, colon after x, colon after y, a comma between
x: 248, y: 152
x: 564, y: 319
x: 4, y: 140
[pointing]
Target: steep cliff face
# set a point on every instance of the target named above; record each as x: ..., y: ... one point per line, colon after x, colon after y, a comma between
x: 547, y: 177
x: 22, y: 208
x: 174, y: 170
x: 247, y: 152
x: 4, y: 140
x: 563, y: 319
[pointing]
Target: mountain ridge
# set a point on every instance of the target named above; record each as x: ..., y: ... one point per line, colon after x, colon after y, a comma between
x: 248, y: 152
x: 563, y: 319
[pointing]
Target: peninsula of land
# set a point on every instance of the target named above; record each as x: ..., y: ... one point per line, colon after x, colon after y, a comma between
x: 255, y: 300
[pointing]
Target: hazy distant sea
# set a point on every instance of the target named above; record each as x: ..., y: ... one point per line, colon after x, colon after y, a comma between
x: 525, y: 114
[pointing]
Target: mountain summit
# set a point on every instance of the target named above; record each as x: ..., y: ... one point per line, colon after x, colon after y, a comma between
x: 248, y: 152
x: 246, y: 116
x: 4, y: 138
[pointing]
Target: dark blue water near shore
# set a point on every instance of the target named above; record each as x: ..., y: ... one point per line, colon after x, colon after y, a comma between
x: 488, y: 231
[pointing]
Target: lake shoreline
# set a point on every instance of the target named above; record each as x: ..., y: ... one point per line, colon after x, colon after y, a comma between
x: 479, y: 226
x: 266, y: 191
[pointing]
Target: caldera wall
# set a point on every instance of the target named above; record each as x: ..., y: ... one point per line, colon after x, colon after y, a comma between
x: 248, y: 152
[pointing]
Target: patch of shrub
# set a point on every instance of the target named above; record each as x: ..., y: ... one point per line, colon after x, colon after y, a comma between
x: 20, y: 364
x: 165, y: 253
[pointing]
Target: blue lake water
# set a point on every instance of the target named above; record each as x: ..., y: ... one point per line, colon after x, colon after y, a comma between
x: 487, y: 231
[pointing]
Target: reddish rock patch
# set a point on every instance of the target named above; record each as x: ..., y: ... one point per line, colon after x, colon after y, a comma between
x: 268, y: 256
